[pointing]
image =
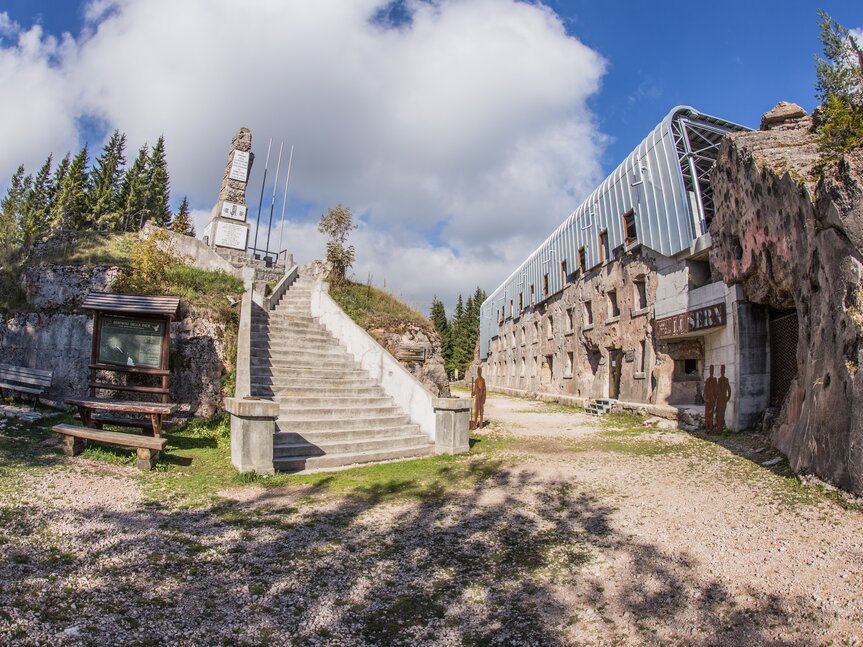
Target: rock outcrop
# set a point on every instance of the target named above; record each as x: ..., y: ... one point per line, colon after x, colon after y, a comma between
x: 55, y: 334
x: 790, y: 231
x: 431, y: 372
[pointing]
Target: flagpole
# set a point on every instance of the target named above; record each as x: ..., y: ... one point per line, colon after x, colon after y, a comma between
x: 284, y: 204
x: 273, y: 201
x: 261, y: 201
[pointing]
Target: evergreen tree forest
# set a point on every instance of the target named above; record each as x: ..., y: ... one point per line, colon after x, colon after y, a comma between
x: 460, y: 332
x: 76, y: 195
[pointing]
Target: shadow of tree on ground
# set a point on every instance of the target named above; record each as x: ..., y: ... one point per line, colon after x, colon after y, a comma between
x: 515, y: 560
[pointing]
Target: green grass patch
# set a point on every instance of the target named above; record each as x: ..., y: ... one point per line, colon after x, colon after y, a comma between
x: 90, y: 248
x: 372, y: 308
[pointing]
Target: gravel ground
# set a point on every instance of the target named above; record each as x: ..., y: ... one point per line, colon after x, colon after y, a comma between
x: 573, y: 537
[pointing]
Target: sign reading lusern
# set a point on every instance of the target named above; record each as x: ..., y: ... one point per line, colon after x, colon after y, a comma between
x: 691, y: 321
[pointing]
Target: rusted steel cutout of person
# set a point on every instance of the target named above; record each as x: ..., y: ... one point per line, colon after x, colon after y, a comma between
x: 478, y: 393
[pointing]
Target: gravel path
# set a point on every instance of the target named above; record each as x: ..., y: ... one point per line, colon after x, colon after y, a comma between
x: 574, y: 536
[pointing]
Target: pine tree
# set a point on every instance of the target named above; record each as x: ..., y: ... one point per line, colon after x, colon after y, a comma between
x: 10, y: 209
x: 57, y: 181
x: 183, y: 221
x: 107, y: 176
x: 37, y: 203
x: 456, y: 326
x: 438, y: 318
x: 158, y: 186
x: 839, y: 88
x: 133, y: 191
x: 70, y: 204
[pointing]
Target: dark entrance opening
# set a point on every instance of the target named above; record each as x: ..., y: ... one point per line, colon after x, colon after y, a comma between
x: 615, y: 364
x: 783, y: 353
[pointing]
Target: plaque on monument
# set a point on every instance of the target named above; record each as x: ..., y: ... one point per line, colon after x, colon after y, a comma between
x: 231, y: 235
x: 240, y: 166
x: 234, y: 211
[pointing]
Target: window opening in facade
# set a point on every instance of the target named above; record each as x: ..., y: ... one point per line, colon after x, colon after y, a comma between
x: 545, y: 285
x: 582, y: 259
x: 510, y: 308
x: 588, y: 312
x: 531, y: 294
x: 641, y: 292
x: 699, y: 273
x: 642, y: 362
x: 562, y: 273
x: 535, y: 331
x: 568, y: 368
x: 570, y: 319
x: 613, y: 308
x: 550, y: 327
x: 604, y: 249
x: 520, y: 302
x: 629, y: 227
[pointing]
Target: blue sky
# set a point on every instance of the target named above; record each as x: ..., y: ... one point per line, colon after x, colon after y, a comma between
x: 467, y: 200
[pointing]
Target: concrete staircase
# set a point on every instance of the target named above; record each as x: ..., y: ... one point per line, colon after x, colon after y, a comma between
x: 331, y: 412
x: 599, y: 407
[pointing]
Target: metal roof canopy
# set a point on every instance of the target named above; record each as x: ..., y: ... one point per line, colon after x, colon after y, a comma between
x: 133, y: 304
x: 664, y: 182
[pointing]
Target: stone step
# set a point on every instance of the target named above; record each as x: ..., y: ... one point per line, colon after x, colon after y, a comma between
x: 309, y: 463
x: 289, y: 411
x: 289, y: 371
x: 311, y: 424
x: 340, y: 435
x: 319, y: 390
x: 301, y: 341
x: 276, y: 320
x: 292, y: 450
x: 335, y: 401
x: 305, y: 383
x: 285, y: 350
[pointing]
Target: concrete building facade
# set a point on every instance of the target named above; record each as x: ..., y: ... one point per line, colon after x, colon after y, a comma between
x: 620, y: 301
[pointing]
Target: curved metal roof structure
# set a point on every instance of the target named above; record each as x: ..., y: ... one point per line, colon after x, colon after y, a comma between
x: 664, y: 183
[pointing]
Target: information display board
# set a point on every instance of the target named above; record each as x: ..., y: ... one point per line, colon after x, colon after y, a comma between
x: 230, y: 235
x: 234, y: 211
x: 131, y: 342
x: 240, y: 166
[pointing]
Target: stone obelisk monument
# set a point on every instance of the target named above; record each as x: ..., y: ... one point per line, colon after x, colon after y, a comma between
x: 228, y: 229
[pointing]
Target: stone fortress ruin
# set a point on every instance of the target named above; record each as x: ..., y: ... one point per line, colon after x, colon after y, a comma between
x: 699, y: 251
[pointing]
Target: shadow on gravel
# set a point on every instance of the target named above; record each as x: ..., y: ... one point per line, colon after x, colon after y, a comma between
x: 487, y: 566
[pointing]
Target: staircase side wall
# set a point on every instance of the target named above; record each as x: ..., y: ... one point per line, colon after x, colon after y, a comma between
x: 404, y: 388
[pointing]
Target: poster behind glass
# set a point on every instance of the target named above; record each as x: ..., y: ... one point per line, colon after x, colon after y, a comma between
x: 131, y: 342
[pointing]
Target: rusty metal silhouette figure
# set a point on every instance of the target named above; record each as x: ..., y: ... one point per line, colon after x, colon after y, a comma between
x: 723, y: 395
x: 478, y: 394
x: 711, y: 387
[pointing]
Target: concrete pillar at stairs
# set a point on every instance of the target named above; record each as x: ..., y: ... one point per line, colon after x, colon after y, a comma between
x: 253, y: 423
x: 452, y: 421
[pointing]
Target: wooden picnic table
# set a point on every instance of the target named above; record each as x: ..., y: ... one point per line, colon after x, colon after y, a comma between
x: 156, y: 410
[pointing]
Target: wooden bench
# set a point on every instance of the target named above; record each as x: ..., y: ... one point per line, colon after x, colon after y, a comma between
x: 75, y: 440
x: 156, y: 410
x: 32, y: 381
x: 412, y: 354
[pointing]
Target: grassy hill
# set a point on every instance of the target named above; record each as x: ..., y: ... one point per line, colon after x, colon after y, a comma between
x: 372, y: 308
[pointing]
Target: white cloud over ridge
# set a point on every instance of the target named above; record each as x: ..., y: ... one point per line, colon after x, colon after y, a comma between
x: 462, y: 137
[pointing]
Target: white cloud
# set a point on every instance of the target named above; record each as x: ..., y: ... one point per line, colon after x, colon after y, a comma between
x: 469, y: 122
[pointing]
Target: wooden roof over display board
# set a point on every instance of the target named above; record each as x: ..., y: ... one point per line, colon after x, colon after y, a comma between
x: 132, y: 304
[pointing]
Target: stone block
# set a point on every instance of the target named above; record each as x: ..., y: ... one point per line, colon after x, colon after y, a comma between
x: 452, y: 422
x: 253, y: 423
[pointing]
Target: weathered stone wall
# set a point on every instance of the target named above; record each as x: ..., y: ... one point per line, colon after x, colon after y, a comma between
x: 519, y: 355
x: 431, y: 372
x: 56, y: 335
x: 792, y: 236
